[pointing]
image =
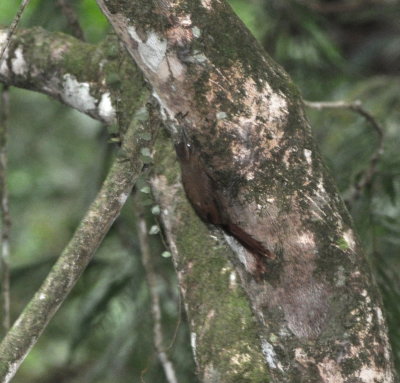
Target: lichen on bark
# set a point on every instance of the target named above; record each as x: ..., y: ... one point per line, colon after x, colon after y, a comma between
x: 223, y: 329
x: 244, y: 117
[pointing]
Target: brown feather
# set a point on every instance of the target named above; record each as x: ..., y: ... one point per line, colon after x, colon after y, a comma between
x: 202, y: 193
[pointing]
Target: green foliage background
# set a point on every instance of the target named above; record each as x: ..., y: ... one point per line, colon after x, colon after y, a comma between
x: 58, y: 158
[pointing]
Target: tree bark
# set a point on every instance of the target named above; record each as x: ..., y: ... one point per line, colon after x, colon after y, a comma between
x: 317, y: 305
x: 227, y: 346
x: 318, y: 310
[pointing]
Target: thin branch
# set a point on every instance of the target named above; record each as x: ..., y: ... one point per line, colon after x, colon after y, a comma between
x: 72, y: 18
x: 5, y: 211
x: 151, y: 276
x: 12, y: 29
x: 67, y: 270
x: 76, y: 256
x: 366, y: 176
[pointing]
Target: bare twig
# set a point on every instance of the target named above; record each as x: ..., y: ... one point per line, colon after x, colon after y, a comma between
x: 5, y: 211
x: 12, y: 29
x: 72, y: 18
x: 151, y: 276
x: 366, y: 176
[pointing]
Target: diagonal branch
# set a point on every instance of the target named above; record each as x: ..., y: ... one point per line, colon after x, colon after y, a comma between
x: 12, y: 29
x: 76, y: 256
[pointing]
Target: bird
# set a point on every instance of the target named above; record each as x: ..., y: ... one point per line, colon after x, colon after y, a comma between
x: 210, y: 204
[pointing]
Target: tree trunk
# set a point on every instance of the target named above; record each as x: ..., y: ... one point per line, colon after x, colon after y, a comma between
x: 317, y: 307
x: 318, y: 311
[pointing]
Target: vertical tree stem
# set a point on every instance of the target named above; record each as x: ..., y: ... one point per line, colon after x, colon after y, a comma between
x: 5, y: 212
x: 151, y: 277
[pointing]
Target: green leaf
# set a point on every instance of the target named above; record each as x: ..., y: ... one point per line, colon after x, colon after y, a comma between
x: 154, y: 230
x: 166, y: 254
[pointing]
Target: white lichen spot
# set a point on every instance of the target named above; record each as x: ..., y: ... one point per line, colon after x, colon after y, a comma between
x: 321, y: 191
x: 122, y: 198
x: 196, y: 32
x: 250, y: 176
x: 185, y: 20
x: 370, y: 375
x: 42, y: 297
x: 206, y: 4
x: 232, y: 280
x: 221, y: 115
x: 193, y: 338
x: 349, y: 238
x: 307, y: 155
x: 270, y: 355
x: 277, y: 105
x: 106, y: 109
x: 379, y: 315
x: 18, y: 63
x: 166, y: 113
x: 3, y: 38
x: 77, y: 94
x: 238, y: 249
x: 152, y: 51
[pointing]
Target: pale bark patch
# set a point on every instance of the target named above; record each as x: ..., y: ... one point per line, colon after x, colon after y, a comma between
x: 166, y: 112
x: 78, y: 94
x: 207, y: 4
x: 270, y: 355
x: 122, y: 198
x: 18, y: 63
x: 307, y: 155
x: 152, y: 50
x: 106, y: 109
x: 330, y: 371
x: 349, y: 238
x: 3, y: 40
x: 196, y: 32
x: 232, y: 280
x: 245, y: 257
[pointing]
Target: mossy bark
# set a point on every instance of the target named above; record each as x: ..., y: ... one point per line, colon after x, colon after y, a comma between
x: 317, y: 305
x: 223, y: 330
x: 318, y: 311
x: 226, y: 348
